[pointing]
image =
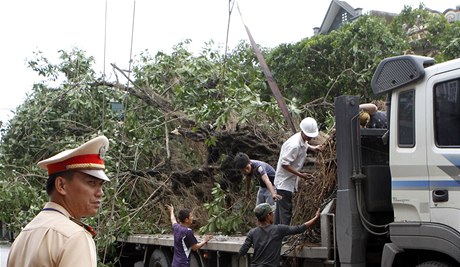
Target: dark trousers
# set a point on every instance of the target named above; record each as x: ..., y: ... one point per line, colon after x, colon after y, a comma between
x: 283, y: 211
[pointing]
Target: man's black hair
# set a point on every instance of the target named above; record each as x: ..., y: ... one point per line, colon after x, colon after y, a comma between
x: 241, y: 160
x: 52, y: 178
x: 183, y: 214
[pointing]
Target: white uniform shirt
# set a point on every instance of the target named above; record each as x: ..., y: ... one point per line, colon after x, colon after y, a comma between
x: 51, y: 239
x: 293, y: 152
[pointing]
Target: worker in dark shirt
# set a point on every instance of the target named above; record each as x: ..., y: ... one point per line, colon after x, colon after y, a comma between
x: 184, y: 239
x: 261, y: 172
x: 267, y: 238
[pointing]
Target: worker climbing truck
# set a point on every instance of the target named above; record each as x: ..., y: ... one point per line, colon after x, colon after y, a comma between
x: 398, y: 197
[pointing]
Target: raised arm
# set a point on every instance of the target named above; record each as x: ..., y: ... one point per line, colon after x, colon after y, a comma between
x: 368, y: 107
x: 171, y: 214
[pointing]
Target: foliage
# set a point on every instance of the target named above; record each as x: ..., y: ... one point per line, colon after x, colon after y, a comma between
x: 221, y: 219
x: 211, y: 88
x: 426, y: 33
x: 20, y: 199
x: 80, y: 108
x: 50, y: 120
x: 450, y: 44
x: 326, y: 66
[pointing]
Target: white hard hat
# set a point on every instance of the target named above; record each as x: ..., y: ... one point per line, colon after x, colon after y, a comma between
x: 309, y: 127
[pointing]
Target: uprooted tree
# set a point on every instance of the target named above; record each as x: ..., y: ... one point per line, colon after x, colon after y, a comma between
x: 176, y: 123
x: 172, y: 138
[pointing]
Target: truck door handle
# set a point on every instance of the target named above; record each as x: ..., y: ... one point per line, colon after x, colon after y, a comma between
x: 440, y: 195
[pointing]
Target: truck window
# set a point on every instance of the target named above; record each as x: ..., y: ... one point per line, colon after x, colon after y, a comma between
x: 406, y: 119
x: 447, y: 113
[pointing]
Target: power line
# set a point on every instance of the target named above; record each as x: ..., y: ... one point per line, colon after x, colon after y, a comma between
x: 105, y: 50
x: 105, y: 38
x: 132, y: 38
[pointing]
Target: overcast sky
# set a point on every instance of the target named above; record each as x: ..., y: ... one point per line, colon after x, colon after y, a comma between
x: 52, y: 25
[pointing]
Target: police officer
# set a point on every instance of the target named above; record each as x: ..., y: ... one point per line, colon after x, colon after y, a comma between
x: 56, y: 236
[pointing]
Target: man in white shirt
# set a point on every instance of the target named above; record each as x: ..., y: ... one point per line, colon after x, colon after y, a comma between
x: 291, y: 160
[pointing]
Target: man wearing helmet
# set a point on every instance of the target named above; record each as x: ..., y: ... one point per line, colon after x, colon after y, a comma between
x: 291, y: 160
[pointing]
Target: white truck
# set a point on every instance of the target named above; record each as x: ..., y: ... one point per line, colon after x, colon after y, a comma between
x: 398, y: 197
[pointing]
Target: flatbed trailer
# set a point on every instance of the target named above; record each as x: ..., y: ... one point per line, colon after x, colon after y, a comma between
x: 155, y: 250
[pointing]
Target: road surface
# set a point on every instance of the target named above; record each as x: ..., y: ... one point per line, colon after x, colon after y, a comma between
x: 4, y: 248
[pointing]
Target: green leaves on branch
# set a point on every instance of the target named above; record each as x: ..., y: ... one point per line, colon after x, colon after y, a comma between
x: 211, y: 88
x: 19, y: 202
x: 221, y: 219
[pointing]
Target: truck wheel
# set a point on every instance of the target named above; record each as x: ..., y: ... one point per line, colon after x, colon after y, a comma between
x: 434, y: 264
x: 160, y: 258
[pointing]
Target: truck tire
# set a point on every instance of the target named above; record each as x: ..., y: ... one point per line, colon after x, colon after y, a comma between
x: 160, y: 258
x: 434, y: 264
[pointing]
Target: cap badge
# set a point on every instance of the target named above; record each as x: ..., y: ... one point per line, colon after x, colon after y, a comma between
x: 102, y: 151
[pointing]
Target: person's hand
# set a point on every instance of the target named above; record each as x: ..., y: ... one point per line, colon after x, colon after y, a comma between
x: 319, y: 148
x: 277, y: 197
x: 170, y: 208
x: 318, y: 213
x: 312, y: 221
x: 306, y: 176
x: 208, y: 237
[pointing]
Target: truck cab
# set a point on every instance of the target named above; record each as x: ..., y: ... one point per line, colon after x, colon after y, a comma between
x: 425, y: 159
x: 410, y: 206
